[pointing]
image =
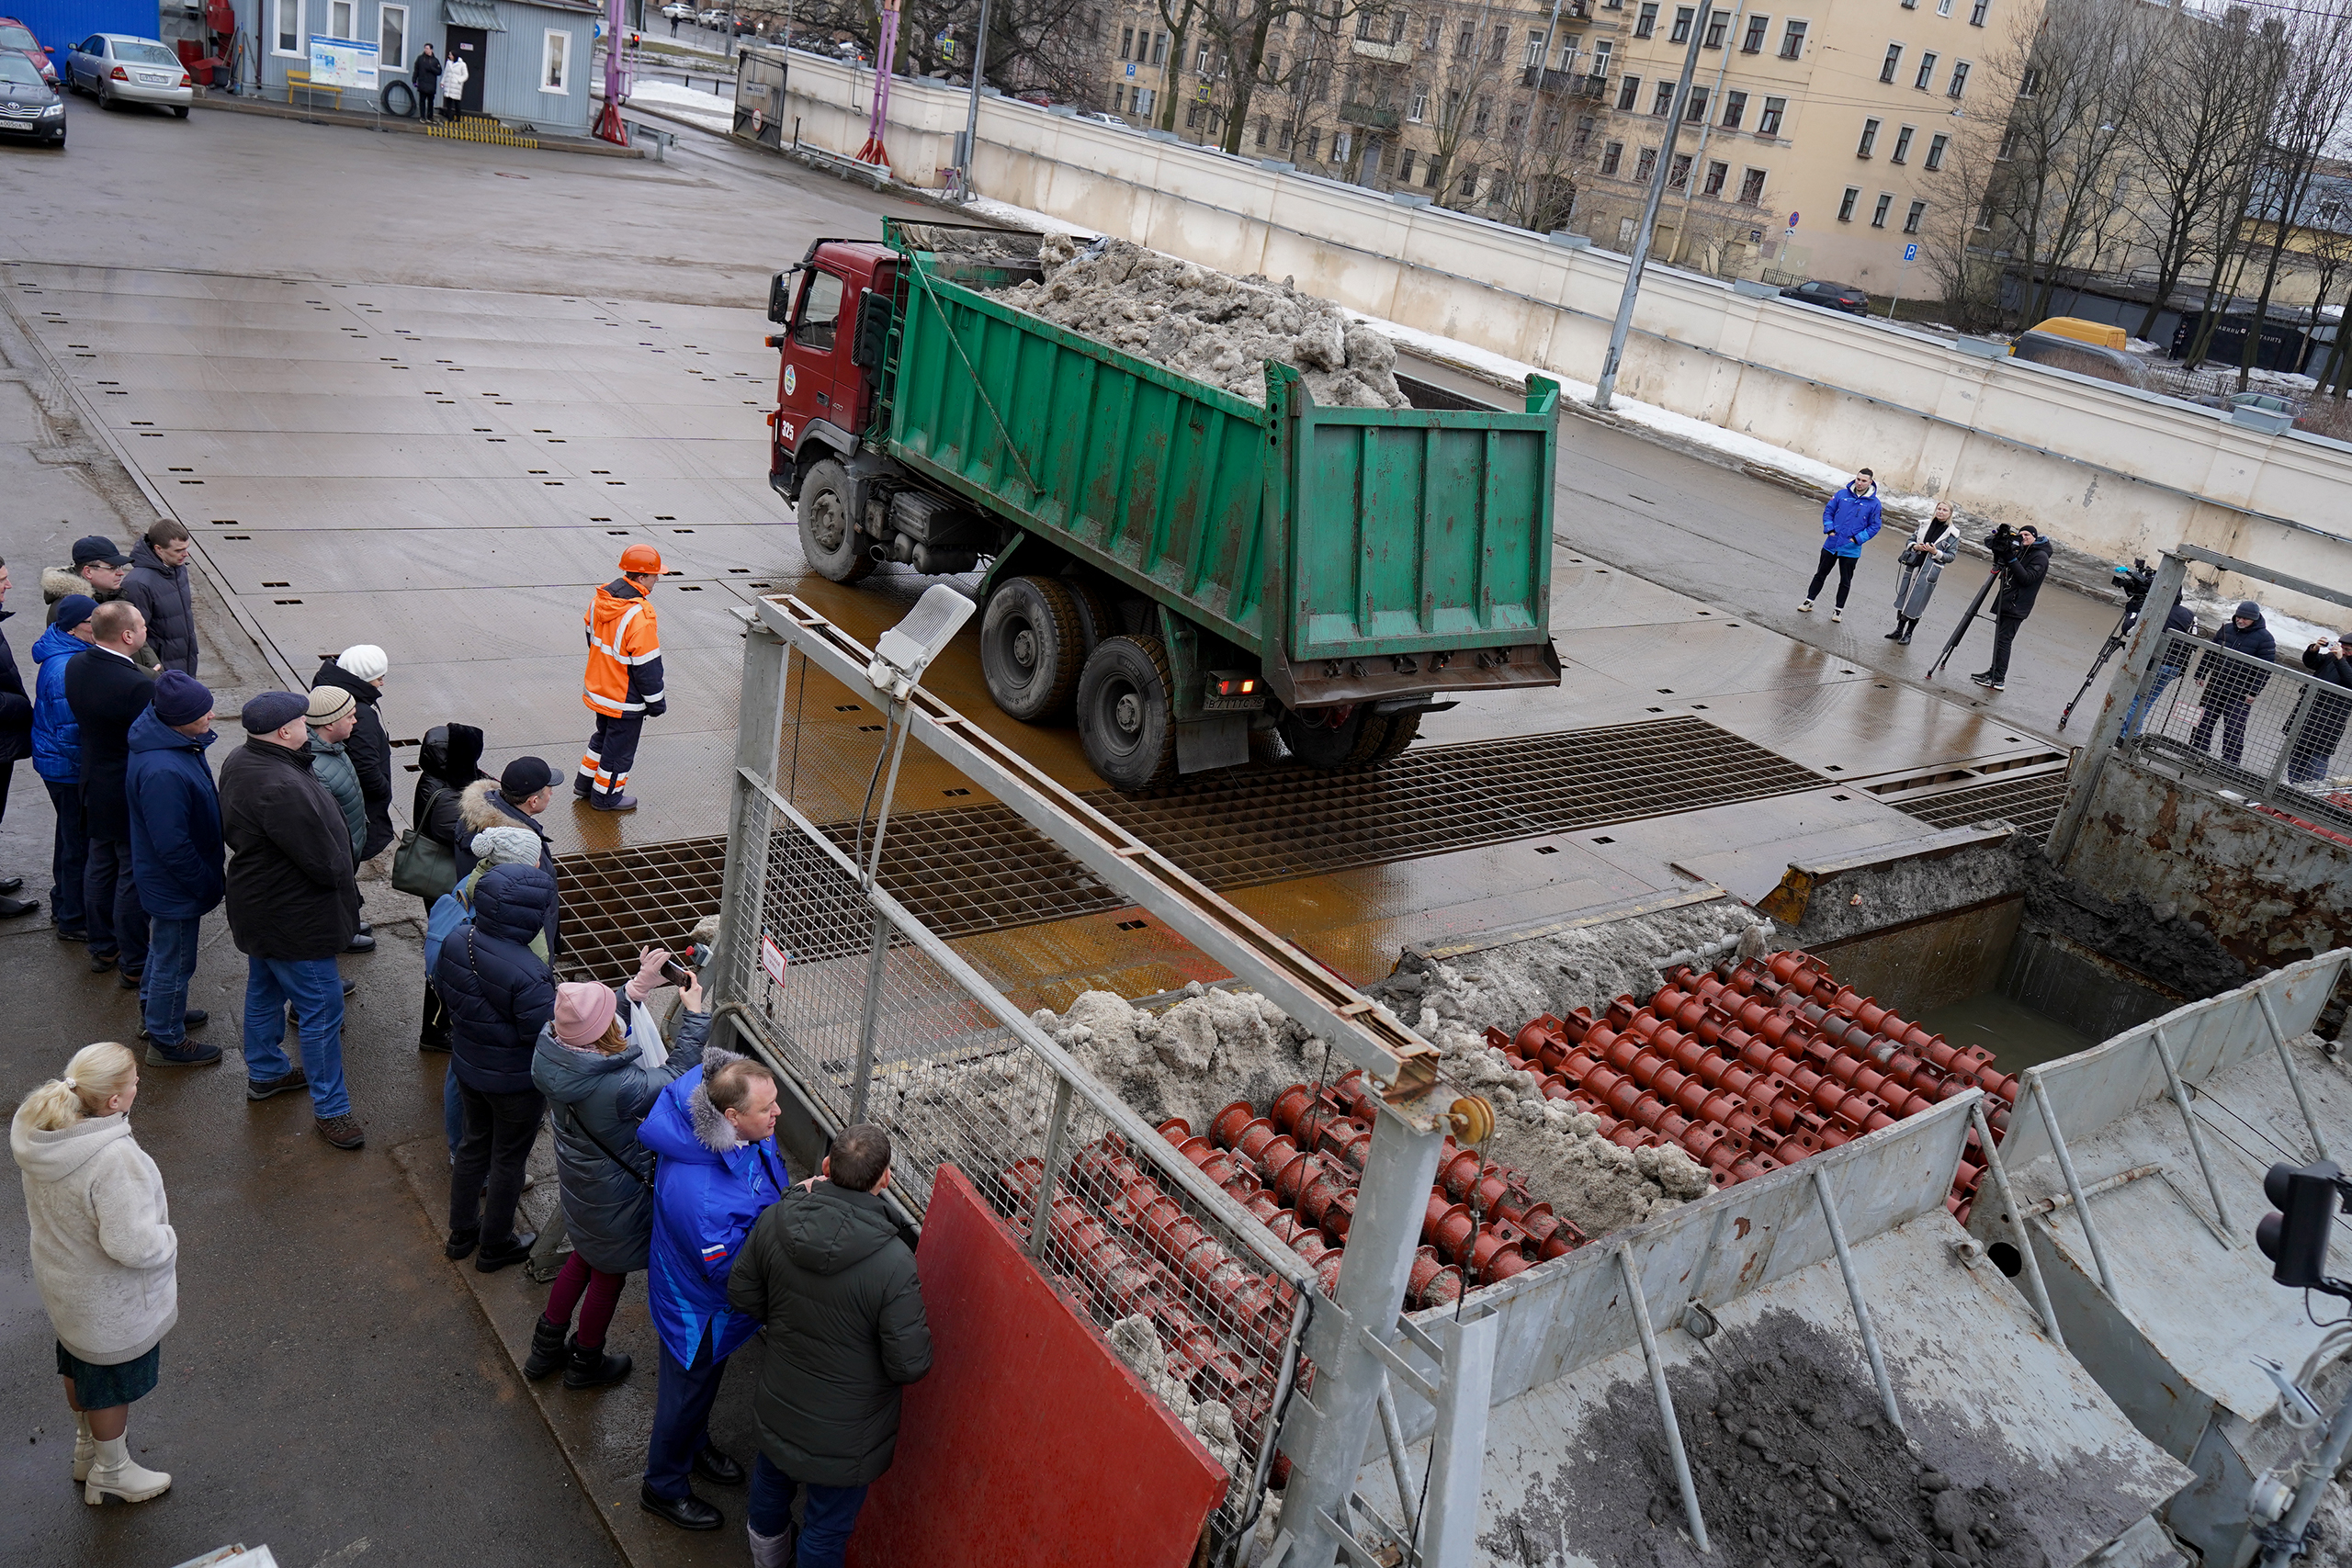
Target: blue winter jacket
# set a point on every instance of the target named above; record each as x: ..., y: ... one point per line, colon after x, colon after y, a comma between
x: 57, y: 736
x: 1849, y: 521
x: 499, y: 994
x: 709, y: 1189
x: 176, y: 857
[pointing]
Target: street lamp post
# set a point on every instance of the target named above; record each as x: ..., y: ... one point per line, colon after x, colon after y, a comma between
x: 972, y: 112
x: 1607, y: 386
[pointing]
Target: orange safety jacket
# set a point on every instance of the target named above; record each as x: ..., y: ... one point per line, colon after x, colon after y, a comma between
x: 624, y: 676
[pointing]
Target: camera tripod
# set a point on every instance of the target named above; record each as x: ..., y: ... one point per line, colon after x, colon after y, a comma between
x: 2107, y: 651
x: 1966, y: 620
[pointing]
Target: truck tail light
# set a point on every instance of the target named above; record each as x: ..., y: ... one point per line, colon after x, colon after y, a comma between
x: 1226, y: 685
x: 118, y: 74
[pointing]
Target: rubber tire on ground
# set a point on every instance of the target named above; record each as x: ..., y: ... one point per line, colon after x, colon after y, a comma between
x: 1125, y: 720
x: 400, y: 100
x: 180, y: 111
x: 1041, y: 616
x: 104, y: 95
x: 830, y: 539
x: 1098, y: 616
x: 1402, y: 729
x: 1352, y: 743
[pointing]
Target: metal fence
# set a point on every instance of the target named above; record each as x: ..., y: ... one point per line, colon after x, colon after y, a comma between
x: 874, y: 1018
x: 2272, y: 735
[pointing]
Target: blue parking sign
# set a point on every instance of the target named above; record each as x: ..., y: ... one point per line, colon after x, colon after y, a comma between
x: 1911, y: 253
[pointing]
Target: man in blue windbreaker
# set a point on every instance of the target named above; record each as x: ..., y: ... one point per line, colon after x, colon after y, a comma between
x: 713, y: 1133
x: 1849, y: 521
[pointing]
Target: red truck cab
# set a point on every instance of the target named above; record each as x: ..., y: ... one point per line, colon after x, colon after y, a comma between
x: 829, y: 352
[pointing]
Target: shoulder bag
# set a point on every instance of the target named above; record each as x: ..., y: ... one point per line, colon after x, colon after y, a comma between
x: 425, y: 867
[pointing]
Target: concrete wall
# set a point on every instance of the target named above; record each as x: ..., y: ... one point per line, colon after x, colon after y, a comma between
x: 2105, y: 469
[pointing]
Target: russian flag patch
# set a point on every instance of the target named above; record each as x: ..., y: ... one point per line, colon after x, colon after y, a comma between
x: 713, y: 1254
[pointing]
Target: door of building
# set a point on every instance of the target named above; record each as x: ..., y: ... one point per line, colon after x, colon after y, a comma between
x: 472, y: 46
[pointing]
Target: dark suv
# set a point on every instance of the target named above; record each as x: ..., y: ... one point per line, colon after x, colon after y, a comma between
x: 1833, y: 296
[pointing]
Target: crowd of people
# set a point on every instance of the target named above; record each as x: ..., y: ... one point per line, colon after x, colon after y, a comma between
x: 666, y: 1152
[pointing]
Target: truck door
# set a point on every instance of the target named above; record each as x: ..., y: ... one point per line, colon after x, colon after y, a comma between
x: 811, y: 351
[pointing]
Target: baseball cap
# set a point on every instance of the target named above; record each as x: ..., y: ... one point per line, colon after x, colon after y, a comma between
x: 98, y: 548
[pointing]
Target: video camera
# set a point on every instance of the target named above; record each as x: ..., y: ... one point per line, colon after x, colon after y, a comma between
x: 2004, y: 545
x: 2133, y: 581
x: 2295, y: 1237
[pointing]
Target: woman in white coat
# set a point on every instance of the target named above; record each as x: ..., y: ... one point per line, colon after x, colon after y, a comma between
x: 104, y: 1256
x: 453, y: 84
x: 1923, y: 560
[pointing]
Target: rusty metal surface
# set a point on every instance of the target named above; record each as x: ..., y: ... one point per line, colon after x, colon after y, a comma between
x: 2030, y: 804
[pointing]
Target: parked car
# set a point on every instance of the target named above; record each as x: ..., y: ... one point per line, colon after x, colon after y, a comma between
x: 2102, y: 334
x: 122, y: 67
x: 2082, y: 358
x: 1831, y: 296
x: 14, y: 35
x: 678, y: 12
x: 28, y: 105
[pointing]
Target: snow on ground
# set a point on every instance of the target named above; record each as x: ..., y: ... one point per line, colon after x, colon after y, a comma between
x: 707, y: 109
x: 2293, y: 636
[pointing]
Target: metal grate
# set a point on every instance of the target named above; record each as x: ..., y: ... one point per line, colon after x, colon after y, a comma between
x: 980, y: 868
x: 2030, y: 804
x: 615, y: 901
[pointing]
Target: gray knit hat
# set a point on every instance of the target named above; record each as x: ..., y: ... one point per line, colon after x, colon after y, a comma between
x: 506, y: 846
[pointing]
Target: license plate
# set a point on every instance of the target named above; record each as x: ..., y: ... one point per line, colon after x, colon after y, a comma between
x: 152, y: 80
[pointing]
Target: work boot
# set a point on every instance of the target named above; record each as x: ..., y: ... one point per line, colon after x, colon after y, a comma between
x: 581, y: 785
x: 592, y: 1366
x: 260, y: 1089
x: 613, y: 802
x: 185, y: 1055
x: 344, y: 1131
x: 688, y: 1513
x: 495, y: 1255
x: 114, y: 1473
x: 86, y: 1447
x: 548, y: 1346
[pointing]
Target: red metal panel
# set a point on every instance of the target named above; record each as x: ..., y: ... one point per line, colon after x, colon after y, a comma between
x: 1030, y: 1443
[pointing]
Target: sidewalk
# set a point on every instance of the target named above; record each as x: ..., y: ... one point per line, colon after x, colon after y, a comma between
x: 483, y: 130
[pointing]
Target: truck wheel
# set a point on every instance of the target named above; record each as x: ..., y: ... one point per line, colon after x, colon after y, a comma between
x: 1125, y: 720
x: 1352, y: 742
x: 1031, y: 647
x: 830, y: 537
x: 1402, y: 729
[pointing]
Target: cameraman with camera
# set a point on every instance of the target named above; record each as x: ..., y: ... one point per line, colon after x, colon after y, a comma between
x: 2021, y: 558
x: 2331, y: 660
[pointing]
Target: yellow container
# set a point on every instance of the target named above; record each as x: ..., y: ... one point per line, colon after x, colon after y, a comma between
x: 2081, y: 331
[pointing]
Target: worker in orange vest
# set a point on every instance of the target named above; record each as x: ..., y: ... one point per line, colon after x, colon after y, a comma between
x: 623, y: 687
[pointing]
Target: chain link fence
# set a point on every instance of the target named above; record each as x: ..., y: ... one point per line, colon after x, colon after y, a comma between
x: 2273, y: 735
x: 875, y: 1019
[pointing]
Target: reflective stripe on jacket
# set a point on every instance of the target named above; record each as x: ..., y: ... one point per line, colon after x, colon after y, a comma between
x: 624, y: 653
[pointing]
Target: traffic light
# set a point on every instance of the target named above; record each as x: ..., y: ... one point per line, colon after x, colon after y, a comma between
x: 2295, y: 1240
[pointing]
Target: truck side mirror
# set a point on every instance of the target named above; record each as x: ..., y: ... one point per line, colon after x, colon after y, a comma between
x: 873, y: 334
x: 780, y: 296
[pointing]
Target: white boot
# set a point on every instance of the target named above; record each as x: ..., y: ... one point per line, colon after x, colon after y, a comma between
x: 86, y: 1447
x: 114, y: 1473
x: 771, y: 1551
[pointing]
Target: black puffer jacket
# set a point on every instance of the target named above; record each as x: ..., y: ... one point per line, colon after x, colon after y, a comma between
x: 2021, y: 581
x: 166, y: 596
x: 291, y: 892
x: 2227, y: 680
x: 449, y: 760
x: 370, y: 752
x: 2323, y: 730
x: 826, y: 1275
x: 498, y: 992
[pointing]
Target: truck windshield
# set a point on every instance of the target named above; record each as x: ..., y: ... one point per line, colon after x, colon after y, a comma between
x: 820, y: 307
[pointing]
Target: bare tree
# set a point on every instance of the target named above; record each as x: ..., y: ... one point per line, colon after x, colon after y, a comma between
x: 1956, y: 240
x: 1542, y: 165
x: 2307, y: 111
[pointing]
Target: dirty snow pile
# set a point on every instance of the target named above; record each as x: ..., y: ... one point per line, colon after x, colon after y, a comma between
x: 1209, y: 326
x: 1211, y: 1420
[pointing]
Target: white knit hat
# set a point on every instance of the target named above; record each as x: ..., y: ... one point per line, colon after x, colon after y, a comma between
x: 365, y: 661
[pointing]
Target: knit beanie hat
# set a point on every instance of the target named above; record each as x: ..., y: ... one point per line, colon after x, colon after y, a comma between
x: 364, y: 660
x: 2248, y: 610
x: 329, y: 703
x: 73, y: 610
x: 180, y: 698
x: 272, y: 711
x: 507, y: 845
x: 582, y: 1009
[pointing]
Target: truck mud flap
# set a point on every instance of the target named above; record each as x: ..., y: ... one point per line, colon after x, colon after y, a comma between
x: 1220, y: 740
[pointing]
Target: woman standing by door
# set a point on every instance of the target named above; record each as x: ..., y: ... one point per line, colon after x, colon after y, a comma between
x: 453, y: 85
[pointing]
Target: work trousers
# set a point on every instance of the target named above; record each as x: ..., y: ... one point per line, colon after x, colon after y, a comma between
x: 69, y: 855
x: 491, y: 1152
x: 1845, y: 565
x: 612, y: 750
x: 2004, y: 632
x: 110, y: 906
x: 682, y: 1402
x: 2231, y: 712
x: 314, y: 988
x: 825, y: 1523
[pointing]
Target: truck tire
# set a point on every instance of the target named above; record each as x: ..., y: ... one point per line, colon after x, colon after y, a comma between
x: 1031, y: 647
x: 830, y: 537
x: 1402, y: 729
x: 1126, y: 721
x: 1353, y: 742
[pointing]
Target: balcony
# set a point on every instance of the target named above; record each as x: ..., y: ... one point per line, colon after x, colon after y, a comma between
x: 1373, y: 117
x: 1388, y: 53
x: 1575, y: 85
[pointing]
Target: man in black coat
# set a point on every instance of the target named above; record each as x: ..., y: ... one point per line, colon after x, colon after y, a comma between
x: 107, y: 690
x: 2231, y: 684
x: 360, y: 671
x: 16, y: 740
x: 2023, y: 559
x: 831, y: 1279
x: 2331, y: 660
x: 426, y: 77
x: 293, y: 905
x: 159, y: 584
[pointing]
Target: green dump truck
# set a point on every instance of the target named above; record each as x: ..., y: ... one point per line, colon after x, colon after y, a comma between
x: 1180, y: 565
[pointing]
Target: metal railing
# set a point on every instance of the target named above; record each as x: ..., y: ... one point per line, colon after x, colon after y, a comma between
x: 2272, y: 735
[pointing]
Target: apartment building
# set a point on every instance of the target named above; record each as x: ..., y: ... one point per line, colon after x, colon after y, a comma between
x: 1138, y: 71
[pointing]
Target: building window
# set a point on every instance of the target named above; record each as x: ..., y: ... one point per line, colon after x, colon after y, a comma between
x: 1902, y: 146
x: 1868, y: 141
x: 1892, y: 64
x: 341, y: 23
x: 555, y: 62
x: 1716, y: 175
x: 1468, y: 189
x: 1645, y: 19
x: 1751, y: 188
x: 1611, y: 158
x: 1878, y: 213
x: 1645, y: 165
x: 1754, y: 43
x: 1663, y: 100
x: 2008, y: 148
x: 1695, y: 108
x: 1792, y: 41
x: 1465, y: 42
x: 1145, y: 98
x: 1501, y: 43
x: 1480, y: 115
x: 1191, y: 117
x: 1959, y: 79
x: 2030, y: 82
x: 1734, y: 109
x: 1314, y: 141
x: 1126, y: 43
x: 1926, y: 76
x: 1682, y: 17
x: 1342, y: 143
x: 1976, y: 13
x: 1984, y: 216
x: 287, y: 31
x: 1601, y: 53
x: 1845, y: 204
x: 391, y: 38
x: 1718, y: 24
x: 1118, y: 98
x: 1678, y: 173
x: 1936, y: 145
x: 1429, y: 176
x: 1421, y: 110
x: 1911, y: 219
x: 1159, y: 49
x: 1768, y: 122
x: 1436, y: 26
x: 1405, y: 167
x: 1943, y: 7
x: 1535, y: 48
x: 1265, y: 128
x: 1628, y: 89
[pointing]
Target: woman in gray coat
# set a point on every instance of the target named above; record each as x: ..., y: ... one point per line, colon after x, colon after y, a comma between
x: 601, y: 1078
x: 1923, y: 561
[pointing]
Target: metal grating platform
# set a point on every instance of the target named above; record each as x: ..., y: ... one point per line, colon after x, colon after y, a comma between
x: 979, y: 868
x: 2031, y: 803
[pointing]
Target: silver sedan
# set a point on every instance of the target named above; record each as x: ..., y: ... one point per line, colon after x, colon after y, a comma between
x: 123, y: 67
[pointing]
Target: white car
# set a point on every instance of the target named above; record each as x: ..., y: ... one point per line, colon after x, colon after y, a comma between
x: 677, y: 12
x: 124, y: 68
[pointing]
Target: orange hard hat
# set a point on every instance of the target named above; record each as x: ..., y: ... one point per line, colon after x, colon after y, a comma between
x: 643, y: 559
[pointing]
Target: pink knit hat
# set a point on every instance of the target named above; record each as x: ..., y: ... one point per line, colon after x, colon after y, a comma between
x: 582, y: 1009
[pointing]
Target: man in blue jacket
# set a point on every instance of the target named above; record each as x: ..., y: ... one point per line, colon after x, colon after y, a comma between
x: 57, y: 758
x: 177, y: 858
x: 1849, y: 521
x: 714, y: 1132
x: 16, y: 740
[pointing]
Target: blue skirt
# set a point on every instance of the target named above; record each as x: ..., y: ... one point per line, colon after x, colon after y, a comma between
x: 102, y: 1388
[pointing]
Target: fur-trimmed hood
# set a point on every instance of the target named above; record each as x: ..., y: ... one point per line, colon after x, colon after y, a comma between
x: 57, y: 581
x: 712, y: 1130
x: 478, y: 811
